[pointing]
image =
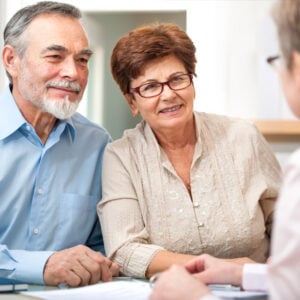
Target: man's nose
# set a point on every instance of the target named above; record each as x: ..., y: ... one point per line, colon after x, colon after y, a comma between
x: 69, y: 68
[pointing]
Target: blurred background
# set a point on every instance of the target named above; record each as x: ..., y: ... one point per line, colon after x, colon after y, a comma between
x: 233, y: 39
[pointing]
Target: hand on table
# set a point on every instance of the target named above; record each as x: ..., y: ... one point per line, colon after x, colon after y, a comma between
x: 211, y: 270
x: 177, y: 284
x: 78, y: 266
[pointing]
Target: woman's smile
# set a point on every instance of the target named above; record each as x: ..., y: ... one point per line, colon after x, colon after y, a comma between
x: 171, y: 109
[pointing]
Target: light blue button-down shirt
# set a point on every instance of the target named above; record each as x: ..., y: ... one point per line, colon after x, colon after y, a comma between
x: 48, y: 192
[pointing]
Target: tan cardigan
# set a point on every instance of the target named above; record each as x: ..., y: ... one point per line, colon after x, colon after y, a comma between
x: 145, y: 206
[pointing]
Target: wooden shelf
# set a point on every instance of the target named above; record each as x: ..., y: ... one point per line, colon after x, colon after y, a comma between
x: 279, y: 130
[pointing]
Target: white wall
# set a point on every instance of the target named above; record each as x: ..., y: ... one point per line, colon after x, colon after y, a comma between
x: 233, y: 38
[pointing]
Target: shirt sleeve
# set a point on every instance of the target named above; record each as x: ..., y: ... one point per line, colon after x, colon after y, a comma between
x: 284, y: 267
x: 255, y: 277
x: 125, y: 236
x: 27, y: 266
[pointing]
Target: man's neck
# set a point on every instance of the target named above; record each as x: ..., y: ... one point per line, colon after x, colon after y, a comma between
x: 41, y: 121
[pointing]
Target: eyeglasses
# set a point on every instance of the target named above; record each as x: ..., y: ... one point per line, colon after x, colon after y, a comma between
x: 274, y: 61
x: 153, y: 89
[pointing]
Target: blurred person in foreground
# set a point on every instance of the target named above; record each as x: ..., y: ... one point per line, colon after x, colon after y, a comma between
x: 280, y: 276
x: 50, y: 156
x: 182, y: 182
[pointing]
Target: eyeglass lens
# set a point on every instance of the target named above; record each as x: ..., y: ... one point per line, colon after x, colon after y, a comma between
x: 176, y: 83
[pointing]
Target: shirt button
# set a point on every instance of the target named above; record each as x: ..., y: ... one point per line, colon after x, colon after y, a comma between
x: 173, y: 194
x: 201, y: 224
x: 196, y: 204
x: 35, y: 231
x: 180, y: 210
x: 40, y: 191
x: 28, y: 127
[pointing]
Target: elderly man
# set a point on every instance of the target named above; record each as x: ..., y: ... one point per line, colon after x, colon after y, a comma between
x: 50, y: 156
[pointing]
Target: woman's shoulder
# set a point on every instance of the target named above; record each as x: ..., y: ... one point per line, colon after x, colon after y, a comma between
x: 129, y: 137
x: 227, y: 125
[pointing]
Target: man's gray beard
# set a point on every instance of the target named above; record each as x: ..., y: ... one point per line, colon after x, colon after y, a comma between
x: 61, y: 109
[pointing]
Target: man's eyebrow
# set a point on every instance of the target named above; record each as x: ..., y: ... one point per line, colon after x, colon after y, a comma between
x: 88, y: 52
x: 60, y: 48
x: 55, y: 48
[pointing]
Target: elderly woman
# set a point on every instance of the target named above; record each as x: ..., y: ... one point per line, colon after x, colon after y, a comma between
x: 182, y: 182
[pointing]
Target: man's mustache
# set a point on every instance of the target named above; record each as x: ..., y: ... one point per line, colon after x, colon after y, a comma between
x: 72, y: 85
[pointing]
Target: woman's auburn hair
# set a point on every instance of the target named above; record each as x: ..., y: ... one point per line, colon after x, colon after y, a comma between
x: 145, y: 44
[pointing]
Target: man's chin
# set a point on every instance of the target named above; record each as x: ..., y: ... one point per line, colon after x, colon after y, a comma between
x: 61, y: 109
x: 62, y: 115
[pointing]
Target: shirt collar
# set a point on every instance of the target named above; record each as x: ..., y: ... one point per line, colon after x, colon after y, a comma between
x: 69, y: 125
x: 11, y: 119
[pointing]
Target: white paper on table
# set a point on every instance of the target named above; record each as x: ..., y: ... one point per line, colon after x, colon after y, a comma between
x: 114, y: 290
x: 124, y: 290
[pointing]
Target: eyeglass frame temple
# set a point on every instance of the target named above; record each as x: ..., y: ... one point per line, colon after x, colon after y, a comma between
x: 271, y: 59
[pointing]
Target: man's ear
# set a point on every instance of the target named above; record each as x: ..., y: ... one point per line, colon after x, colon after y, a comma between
x: 10, y: 60
x: 132, y: 104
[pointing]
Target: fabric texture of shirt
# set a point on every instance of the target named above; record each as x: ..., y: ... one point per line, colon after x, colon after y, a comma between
x: 146, y: 207
x: 48, y: 192
x: 255, y: 277
x: 284, y: 267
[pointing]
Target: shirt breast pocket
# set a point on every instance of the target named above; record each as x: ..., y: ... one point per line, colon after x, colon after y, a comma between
x: 77, y: 217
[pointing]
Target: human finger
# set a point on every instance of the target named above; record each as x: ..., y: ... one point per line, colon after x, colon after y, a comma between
x: 115, y: 269
x: 177, y: 284
x: 90, y: 270
x: 82, y: 268
x: 58, y: 269
x: 102, y: 265
x: 223, y: 273
x: 201, y: 263
x: 106, y: 274
x: 195, y: 265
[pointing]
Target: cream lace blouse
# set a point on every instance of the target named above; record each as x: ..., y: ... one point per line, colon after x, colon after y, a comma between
x: 146, y: 208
